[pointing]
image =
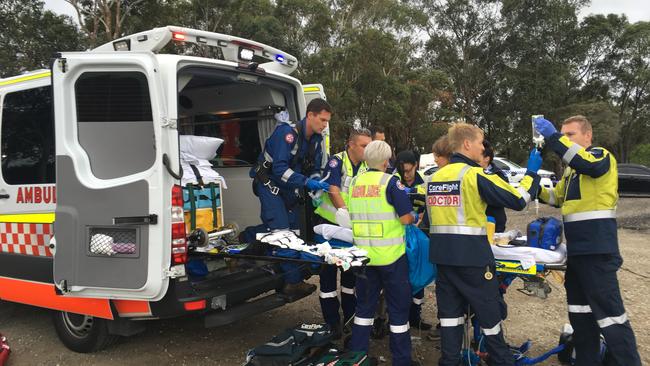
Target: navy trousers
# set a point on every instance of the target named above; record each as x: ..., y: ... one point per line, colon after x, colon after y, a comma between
x: 277, y: 214
x: 394, y: 280
x: 328, y: 296
x: 595, y: 307
x: 415, y: 314
x: 456, y: 289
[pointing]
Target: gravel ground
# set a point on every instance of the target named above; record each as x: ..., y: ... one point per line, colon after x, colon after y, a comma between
x: 185, y: 342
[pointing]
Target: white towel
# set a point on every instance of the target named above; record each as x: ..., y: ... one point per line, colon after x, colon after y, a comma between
x: 329, y: 231
x: 528, y: 256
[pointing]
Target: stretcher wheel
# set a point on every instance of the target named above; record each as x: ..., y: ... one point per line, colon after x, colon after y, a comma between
x: 82, y: 333
x: 199, y: 237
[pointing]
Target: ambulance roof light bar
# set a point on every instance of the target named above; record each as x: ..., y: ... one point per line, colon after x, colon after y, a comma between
x: 234, y: 49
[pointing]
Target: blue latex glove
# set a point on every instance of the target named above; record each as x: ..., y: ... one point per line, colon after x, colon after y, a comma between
x: 545, y: 127
x: 534, y: 161
x: 415, y: 216
x: 408, y: 190
x: 314, y: 185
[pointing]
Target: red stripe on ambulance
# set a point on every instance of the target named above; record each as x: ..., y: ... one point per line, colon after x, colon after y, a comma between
x: 25, y: 239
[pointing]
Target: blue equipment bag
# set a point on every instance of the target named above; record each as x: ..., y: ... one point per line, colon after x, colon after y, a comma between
x: 421, y: 271
x: 544, y: 233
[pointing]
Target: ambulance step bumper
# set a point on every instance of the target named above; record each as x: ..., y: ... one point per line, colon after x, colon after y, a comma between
x: 244, y: 310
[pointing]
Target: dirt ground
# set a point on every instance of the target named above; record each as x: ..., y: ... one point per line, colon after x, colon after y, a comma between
x: 186, y: 342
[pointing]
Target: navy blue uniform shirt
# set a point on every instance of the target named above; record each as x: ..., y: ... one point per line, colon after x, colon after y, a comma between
x: 287, y: 161
x: 334, y: 168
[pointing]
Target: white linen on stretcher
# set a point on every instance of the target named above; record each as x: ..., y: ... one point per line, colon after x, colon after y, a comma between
x: 329, y: 231
x: 529, y: 256
x: 341, y: 257
x: 197, y: 151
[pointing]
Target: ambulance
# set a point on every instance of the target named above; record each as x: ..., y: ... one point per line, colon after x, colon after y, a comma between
x: 90, y: 149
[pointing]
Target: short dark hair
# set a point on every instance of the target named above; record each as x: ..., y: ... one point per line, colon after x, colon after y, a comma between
x: 359, y: 132
x: 489, y: 150
x: 318, y: 105
x: 407, y: 156
x: 376, y: 130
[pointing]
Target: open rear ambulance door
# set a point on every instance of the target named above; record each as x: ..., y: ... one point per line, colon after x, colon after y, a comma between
x: 108, y: 226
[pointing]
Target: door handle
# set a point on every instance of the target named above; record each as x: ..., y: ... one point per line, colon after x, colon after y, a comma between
x: 136, y: 220
x: 4, y: 196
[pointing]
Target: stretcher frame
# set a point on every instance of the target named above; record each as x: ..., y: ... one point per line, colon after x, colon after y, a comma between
x: 534, y: 277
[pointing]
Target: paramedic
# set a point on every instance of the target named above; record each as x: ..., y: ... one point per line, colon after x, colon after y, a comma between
x: 457, y: 197
x: 407, y: 172
x: 588, y: 194
x: 340, y: 170
x: 379, y: 209
x: 487, y: 163
x: 290, y: 162
x: 378, y: 133
x: 441, y: 151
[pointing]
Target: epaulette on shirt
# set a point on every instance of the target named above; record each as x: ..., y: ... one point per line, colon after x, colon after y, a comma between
x: 597, y: 152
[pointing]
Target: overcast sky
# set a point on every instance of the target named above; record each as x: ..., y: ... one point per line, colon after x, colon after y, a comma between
x: 635, y: 10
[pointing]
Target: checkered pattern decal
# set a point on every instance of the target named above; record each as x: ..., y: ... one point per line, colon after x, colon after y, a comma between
x: 25, y: 238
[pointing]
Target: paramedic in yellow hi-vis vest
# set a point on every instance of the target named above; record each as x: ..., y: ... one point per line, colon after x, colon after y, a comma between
x: 379, y: 208
x: 340, y: 170
x: 588, y: 193
x: 457, y: 196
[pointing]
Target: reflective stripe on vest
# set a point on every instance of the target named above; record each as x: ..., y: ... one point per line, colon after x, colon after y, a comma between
x: 326, y: 209
x: 460, y: 230
x: 590, y: 215
x: 375, y: 225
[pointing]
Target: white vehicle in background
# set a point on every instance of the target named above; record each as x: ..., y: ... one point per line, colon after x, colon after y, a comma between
x: 515, y: 173
x: 426, y: 164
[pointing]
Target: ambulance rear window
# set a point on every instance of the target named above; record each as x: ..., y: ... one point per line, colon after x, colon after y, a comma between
x: 27, y: 142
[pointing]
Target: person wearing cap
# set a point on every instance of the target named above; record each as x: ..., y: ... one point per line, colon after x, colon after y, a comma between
x: 379, y: 210
x: 407, y: 171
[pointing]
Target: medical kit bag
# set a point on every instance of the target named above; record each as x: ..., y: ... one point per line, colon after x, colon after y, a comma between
x: 292, y: 347
x: 544, y: 233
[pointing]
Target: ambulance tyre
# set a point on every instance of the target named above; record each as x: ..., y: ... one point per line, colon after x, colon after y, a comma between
x: 82, y: 333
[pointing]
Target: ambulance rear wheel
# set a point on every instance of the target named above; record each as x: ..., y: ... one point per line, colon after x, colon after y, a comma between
x: 82, y: 333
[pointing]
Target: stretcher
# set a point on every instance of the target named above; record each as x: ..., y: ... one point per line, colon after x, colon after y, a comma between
x: 278, y: 246
x: 531, y: 265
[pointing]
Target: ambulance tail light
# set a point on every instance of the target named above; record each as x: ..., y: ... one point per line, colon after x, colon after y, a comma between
x: 179, y: 238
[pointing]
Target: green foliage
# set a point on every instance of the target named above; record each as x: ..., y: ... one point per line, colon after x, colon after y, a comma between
x: 641, y: 155
x: 603, y: 118
x: 31, y: 36
x: 409, y: 66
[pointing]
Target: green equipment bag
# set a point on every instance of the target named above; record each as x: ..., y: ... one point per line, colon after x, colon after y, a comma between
x: 292, y: 347
x: 338, y: 358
